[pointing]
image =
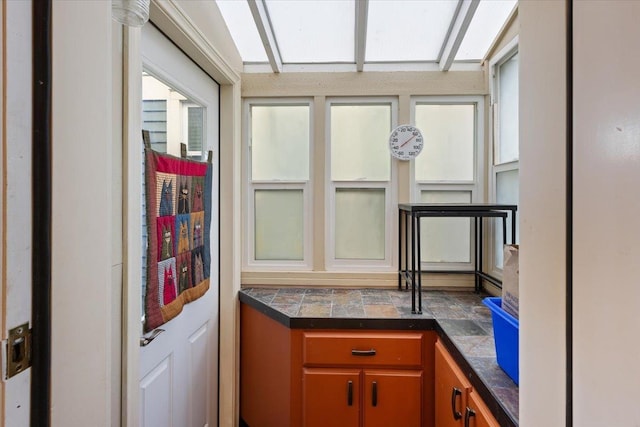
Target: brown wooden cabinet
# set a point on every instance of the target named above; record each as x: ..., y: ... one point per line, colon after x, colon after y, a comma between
x: 369, y: 398
x: 392, y: 398
x: 456, y: 403
x: 386, y: 391
x: 477, y: 414
x: 331, y: 397
x: 452, y: 390
x: 338, y: 378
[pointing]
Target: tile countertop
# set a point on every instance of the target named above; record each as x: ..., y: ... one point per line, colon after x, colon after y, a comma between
x: 459, y: 317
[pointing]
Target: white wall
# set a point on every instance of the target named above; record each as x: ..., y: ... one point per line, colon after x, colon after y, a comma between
x: 82, y: 213
x: 542, y: 213
x: 606, y: 247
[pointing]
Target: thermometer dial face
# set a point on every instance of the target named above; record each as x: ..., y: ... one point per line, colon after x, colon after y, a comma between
x: 405, y: 142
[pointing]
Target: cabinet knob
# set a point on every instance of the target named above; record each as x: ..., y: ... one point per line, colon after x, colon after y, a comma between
x: 455, y: 392
x: 469, y: 413
x: 350, y: 393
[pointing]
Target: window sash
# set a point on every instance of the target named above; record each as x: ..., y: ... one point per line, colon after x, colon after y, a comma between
x: 332, y: 262
x: 250, y: 263
x: 473, y: 186
x: 497, y: 166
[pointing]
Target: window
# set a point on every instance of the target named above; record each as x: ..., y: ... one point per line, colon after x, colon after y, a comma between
x: 360, y: 173
x: 171, y: 118
x: 505, y: 154
x: 448, y: 170
x: 154, y: 119
x: 193, y: 129
x: 279, y: 217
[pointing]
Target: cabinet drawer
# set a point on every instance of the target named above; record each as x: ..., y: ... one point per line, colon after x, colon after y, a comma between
x: 346, y: 348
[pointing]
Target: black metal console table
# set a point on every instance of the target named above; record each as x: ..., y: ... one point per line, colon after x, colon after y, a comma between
x: 409, y: 231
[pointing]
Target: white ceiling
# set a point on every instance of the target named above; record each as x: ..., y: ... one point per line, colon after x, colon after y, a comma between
x: 362, y: 35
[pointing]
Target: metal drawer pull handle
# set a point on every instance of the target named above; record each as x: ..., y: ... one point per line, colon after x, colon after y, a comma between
x: 469, y: 413
x: 350, y: 393
x: 455, y: 392
x: 145, y: 341
x: 374, y: 394
x: 371, y: 352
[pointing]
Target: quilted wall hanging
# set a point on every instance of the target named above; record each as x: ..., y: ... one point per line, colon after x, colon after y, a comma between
x: 178, y: 214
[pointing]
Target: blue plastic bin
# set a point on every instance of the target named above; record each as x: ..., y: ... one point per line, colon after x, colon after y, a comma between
x: 505, y: 332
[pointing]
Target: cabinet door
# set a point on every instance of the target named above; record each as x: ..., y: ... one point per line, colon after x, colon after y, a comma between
x: 392, y: 398
x: 477, y: 414
x: 331, y: 397
x: 452, y: 389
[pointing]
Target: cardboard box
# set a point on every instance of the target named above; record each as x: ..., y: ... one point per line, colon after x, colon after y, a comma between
x: 510, y: 274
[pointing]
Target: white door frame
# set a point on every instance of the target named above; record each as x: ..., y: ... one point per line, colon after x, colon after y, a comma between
x: 16, y: 188
x: 172, y: 20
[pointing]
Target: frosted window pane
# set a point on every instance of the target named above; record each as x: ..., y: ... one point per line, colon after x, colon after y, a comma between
x: 359, y: 135
x: 508, y: 105
x: 195, y: 128
x: 243, y: 30
x: 445, y: 239
x: 280, y: 142
x: 360, y: 223
x: 279, y: 225
x: 401, y: 30
x: 314, y: 31
x: 449, y: 140
x: 507, y: 193
x: 489, y: 18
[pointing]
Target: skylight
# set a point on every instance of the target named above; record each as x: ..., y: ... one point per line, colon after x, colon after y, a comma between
x: 312, y: 31
x: 238, y: 17
x: 285, y: 33
x: 485, y: 25
x: 407, y: 30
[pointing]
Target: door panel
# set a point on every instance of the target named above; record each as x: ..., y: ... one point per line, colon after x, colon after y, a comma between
x: 331, y: 397
x: 392, y: 398
x: 199, y: 354
x: 181, y: 104
x: 452, y: 389
x: 478, y: 413
x: 156, y: 403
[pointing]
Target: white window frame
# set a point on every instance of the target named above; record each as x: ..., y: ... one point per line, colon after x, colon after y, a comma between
x: 474, y: 186
x: 249, y: 261
x: 391, y: 216
x: 505, y: 54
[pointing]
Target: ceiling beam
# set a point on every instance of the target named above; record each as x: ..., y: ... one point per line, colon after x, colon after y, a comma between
x: 460, y: 24
x: 263, y: 23
x: 362, y: 11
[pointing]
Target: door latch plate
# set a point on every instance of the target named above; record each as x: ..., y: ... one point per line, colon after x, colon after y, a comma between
x: 18, y: 350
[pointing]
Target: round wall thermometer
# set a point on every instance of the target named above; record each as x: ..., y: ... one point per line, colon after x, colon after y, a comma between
x: 405, y: 142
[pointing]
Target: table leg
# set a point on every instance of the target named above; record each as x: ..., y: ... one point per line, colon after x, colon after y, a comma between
x: 476, y: 254
x: 413, y: 264
x: 400, y: 214
x: 480, y: 250
x: 406, y: 250
x: 504, y: 230
x: 419, y: 262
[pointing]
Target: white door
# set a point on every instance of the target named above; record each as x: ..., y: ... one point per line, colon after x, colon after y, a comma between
x: 179, y: 368
x: 15, y: 184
